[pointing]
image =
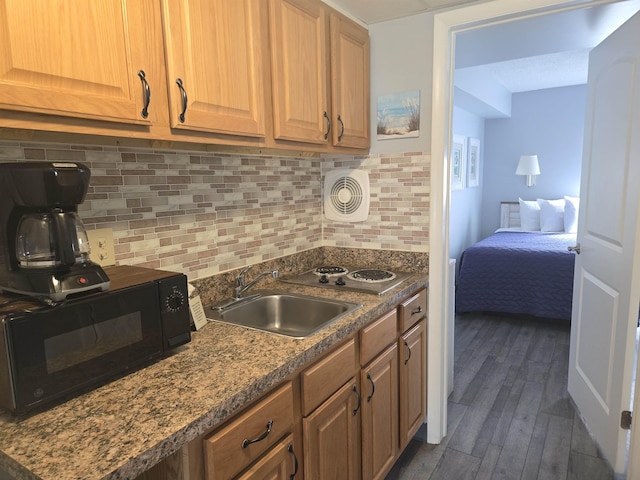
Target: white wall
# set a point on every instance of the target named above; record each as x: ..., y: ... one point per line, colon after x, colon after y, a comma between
x: 548, y: 123
x: 401, y: 60
x: 466, y: 204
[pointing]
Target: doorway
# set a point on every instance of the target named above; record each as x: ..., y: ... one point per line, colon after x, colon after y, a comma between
x: 446, y: 26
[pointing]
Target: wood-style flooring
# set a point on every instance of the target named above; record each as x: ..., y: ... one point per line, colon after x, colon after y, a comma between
x: 510, y: 416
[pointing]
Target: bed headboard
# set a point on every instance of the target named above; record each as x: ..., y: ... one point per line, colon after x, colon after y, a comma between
x: 509, y: 214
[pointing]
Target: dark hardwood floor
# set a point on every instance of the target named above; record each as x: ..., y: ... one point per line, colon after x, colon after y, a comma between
x: 510, y: 416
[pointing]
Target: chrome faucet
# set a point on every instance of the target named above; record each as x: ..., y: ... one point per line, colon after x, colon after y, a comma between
x: 240, y: 286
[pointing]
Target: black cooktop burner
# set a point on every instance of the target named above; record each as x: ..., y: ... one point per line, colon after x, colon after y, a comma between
x: 372, y: 275
x: 331, y: 270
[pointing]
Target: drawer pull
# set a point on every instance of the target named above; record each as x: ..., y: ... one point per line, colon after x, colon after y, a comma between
x: 246, y: 442
x: 373, y: 387
x: 406, y: 360
x: 355, y: 410
x: 417, y: 310
x: 147, y: 94
x: 295, y: 462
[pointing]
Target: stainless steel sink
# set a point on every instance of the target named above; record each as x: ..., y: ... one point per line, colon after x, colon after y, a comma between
x: 288, y: 314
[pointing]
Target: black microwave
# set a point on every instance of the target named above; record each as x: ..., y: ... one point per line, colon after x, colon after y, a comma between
x: 55, y: 352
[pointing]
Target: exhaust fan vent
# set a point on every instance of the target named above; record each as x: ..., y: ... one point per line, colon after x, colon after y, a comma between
x: 346, y: 195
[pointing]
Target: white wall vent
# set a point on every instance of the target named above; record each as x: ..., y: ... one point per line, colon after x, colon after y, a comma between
x: 346, y: 195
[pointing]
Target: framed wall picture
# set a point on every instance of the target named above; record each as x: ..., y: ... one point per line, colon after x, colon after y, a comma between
x: 458, y: 158
x: 473, y: 162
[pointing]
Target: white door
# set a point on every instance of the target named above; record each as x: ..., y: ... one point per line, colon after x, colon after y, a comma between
x: 607, y: 271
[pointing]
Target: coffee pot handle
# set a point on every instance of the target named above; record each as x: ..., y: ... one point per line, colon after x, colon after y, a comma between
x: 64, y: 242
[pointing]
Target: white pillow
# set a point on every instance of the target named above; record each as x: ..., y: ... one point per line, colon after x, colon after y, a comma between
x: 551, y: 215
x: 529, y: 215
x: 572, y: 206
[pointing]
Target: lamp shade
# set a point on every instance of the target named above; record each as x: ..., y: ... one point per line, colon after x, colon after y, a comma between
x: 528, y: 165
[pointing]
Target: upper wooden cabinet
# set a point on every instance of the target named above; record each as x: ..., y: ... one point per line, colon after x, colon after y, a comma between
x: 79, y: 59
x: 299, y: 55
x: 320, y: 75
x: 349, y: 83
x: 215, y: 68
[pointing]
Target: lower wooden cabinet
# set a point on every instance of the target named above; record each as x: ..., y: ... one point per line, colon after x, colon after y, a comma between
x: 379, y: 380
x: 236, y: 446
x: 331, y: 437
x: 280, y: 463
x: 413, y: 381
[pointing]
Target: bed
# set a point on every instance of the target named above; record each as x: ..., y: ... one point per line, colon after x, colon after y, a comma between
x: 518, y: 272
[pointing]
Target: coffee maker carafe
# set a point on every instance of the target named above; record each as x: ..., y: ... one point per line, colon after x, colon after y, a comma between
x: 43, y: 242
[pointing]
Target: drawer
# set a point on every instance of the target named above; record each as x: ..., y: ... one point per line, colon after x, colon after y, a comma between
x: 376, y: 337
x: 327, y: 375
x: 412, y: 310
x: 227, y: 451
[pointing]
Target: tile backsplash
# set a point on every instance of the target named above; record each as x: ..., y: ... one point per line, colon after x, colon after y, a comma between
x: 207, y: 213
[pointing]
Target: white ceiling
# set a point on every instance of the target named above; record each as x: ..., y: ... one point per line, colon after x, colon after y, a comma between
x: 544, y: 52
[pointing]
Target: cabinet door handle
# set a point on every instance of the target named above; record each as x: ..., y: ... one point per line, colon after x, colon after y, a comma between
x: 295, y: 462
x: 146, y: 91
x: 341, y: 129
x: 326, y: 134
x: 355, y: 410
x: 417, y: 310
x: 183, y: 94
x: 373, y: 387
x: 406, y: 360
x: 246, y: 442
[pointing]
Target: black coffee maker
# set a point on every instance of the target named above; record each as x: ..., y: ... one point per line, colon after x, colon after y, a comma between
x: 44, y: 248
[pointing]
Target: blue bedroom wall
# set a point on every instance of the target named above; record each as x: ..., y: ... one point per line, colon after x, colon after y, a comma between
x: 466, y: 204
x: 548, y: 123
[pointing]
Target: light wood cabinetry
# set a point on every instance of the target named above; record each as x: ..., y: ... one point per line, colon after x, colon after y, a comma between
x: 413, y: 376
x: 235, y: 73
x: 79, y: 59
x: 349, y: 83
x: 233, y: 448
x: 379, y: 380
x: 332, y: 437
x: 320, y: 71
x: 280, y: 463
x: 215, y: 65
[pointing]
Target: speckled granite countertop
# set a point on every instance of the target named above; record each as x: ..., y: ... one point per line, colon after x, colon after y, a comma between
x: 125, y: 427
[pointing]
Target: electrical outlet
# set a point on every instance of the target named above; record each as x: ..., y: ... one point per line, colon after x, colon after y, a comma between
x: 101, y: 244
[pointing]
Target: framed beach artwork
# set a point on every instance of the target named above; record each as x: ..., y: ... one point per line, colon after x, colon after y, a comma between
x: 473, y: 162
x: 399, y: 115
x: 458, y: 157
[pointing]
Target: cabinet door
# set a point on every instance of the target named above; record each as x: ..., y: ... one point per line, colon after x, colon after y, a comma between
x: 349, y: 83
x: 380, y: 414
x: 214, y: 48
x: 299, y: 70
x: 413, y: 381
x: 75, y: 58
x: 332, y: 437
x: 280, y: 463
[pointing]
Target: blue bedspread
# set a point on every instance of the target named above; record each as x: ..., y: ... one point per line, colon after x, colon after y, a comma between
x: 518, y: 272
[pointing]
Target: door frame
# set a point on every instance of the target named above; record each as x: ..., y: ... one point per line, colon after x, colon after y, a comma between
x: 445, y: 27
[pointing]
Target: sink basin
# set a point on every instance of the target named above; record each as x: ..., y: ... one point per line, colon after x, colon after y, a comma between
x: 284, y: 313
